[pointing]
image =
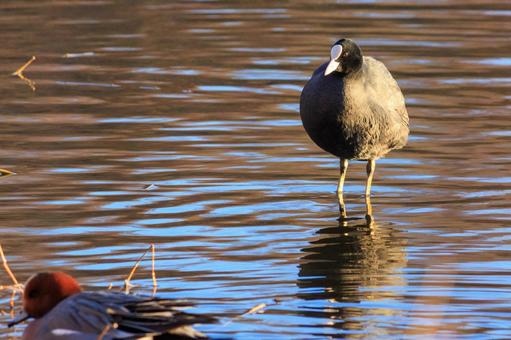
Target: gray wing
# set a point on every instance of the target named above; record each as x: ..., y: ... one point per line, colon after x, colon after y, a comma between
x: 81, y: 316
x: 90, y: 313
x: 384, y: 95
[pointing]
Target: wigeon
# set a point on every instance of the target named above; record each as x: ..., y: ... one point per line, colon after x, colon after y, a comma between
x: 63, y: 311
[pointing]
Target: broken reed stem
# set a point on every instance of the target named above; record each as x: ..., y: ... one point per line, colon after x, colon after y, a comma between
x: 19, y: 72
x: 105, y: 330
x: 7, y: 269
x: 29, y: 82
x: 15, y: 287
x: 127, y: 283
x: 153, y: 271
x: 13, y: 296
x: 252, y: 310
x: 4, y: 172
x: 18, y: 287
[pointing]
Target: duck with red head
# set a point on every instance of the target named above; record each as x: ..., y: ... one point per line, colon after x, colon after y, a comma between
x: 43, y: 291
x: 63, y: 311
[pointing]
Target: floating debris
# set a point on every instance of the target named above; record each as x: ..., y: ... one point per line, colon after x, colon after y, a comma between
x: 257, y: 309
x: 254, y: 309
x: 4, y: 172
x: 78, y: 55
x: 19, y: 73
x: 151, y: 187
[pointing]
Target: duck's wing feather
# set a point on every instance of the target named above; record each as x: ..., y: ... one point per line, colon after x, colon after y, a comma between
x: 125, y: 317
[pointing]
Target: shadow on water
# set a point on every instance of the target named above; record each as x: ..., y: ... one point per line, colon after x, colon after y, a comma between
x: 347, y: 270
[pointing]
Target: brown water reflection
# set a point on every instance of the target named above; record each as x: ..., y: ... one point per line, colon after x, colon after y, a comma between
x: 199, y: 101
x: 351, y: 266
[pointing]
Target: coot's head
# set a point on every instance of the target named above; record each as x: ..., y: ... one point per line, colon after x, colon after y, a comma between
x: 345, y: 57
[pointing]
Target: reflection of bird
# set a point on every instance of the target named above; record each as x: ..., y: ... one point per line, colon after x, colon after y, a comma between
x: 348, y: 263
x: 354, y: 109
x: 63, y: 311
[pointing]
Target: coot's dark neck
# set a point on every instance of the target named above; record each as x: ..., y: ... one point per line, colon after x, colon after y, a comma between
x: 354, y: 74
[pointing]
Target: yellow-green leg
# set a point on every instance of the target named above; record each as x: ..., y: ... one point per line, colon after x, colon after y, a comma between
x: 340, y: 187
x: 369, y: 211
x: 371, y: 165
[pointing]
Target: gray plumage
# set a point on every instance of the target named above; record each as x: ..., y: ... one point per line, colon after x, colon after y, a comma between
x: 360, y: 115
x: 353, y: 108
x: 85, y: 315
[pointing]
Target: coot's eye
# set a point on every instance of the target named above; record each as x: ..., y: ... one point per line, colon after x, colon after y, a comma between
x: 33, y: 293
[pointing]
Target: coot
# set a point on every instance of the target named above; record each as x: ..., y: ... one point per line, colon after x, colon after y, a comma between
x: 353, y: 108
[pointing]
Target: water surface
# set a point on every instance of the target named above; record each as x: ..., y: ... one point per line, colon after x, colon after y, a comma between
x: 176, y: 123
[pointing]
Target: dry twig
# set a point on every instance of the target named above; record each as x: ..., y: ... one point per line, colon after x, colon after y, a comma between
x: 13, y: 296
x: 4, y: 172
x: 19, y: 73
x: 153, y: 272
x: 105, y: 330
x: 253, y: 310
x: 7, y: 269
x: 127, y: 284
x: 16, y: 287
x: 22, y: 68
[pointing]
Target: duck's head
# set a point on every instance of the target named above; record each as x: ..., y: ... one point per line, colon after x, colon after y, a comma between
x: 43, y: 291
x: 345, y: 57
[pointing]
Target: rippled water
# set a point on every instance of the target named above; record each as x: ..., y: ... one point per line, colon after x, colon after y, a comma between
x: 177, y: 123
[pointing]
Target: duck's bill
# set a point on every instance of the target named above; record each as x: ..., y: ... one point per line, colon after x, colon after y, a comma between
x: 332, y: 66
x: 19, y: 319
